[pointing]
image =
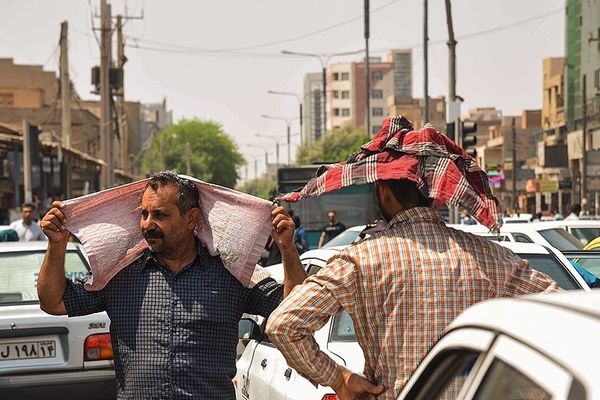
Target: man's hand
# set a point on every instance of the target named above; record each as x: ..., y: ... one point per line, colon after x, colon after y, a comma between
x: 349, y: 386
x: 53, y: 224
x: 283, y: 228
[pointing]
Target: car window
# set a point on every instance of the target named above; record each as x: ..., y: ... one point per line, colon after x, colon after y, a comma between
x: 551, y: 266
x: 19, y: 273
x: 585, y: 235
x: 502, y: 381
x: 561, y: 239
x: 343, y: 239
x: 445, y: 375
x: 342, y: 328
x: 522, y: 238
x: 591, y: 264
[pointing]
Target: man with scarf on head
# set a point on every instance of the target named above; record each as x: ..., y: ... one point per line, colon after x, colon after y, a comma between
x: 403, y: 285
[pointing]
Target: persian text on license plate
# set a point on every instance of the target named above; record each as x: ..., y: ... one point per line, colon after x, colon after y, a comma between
x: 26, y: 350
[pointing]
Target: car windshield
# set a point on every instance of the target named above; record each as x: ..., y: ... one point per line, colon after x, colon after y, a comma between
x: 561, y: 239
x: 586, y: 235
x: 551, y: 266
x: 343, y: 239
x: 19, y: 274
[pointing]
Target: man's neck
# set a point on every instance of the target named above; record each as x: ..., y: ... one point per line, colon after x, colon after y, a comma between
x: 178, y: 262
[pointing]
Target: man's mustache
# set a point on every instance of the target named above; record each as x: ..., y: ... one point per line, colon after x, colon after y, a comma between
x: 152, y: 234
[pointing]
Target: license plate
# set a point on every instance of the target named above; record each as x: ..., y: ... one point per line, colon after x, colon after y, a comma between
x: 28, y: 350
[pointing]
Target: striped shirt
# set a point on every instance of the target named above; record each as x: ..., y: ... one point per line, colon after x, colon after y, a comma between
x: 402, y: 287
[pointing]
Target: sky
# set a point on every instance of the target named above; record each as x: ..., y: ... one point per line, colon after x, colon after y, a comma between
x: 217, y: 59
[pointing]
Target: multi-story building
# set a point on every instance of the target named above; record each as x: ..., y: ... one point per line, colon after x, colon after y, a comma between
x: 412, y: 109
x: 582, y: 98
x: 346, y: 98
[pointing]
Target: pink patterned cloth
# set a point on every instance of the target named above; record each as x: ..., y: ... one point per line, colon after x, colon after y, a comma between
x: 233, y: 225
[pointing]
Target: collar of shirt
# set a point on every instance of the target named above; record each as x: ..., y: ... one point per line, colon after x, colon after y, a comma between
x: 416, y: 214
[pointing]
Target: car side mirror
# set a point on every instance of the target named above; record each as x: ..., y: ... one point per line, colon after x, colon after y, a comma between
x: 248, y: 329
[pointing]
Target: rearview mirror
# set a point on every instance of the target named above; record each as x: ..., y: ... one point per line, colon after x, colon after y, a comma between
x: 248, y: 329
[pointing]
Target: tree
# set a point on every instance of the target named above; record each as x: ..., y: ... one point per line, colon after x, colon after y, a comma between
x: 197, y: 148
x: 334, y: 147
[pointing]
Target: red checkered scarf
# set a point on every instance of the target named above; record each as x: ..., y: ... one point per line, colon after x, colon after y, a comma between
x: 440, y: 169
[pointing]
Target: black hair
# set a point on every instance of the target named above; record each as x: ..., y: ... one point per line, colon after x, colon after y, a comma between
x: 188, y: 196
x: 27, y: 205
x: 406, y: 193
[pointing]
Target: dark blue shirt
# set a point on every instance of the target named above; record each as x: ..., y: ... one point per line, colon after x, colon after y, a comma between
x: 174, y: 336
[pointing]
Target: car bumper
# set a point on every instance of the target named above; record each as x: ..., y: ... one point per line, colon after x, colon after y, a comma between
x: 95, y: 384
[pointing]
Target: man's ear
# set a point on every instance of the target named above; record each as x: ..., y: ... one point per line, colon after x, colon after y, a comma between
x: 193, y: 217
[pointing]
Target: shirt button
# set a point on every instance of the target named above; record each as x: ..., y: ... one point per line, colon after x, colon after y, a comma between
x: 174, y: 302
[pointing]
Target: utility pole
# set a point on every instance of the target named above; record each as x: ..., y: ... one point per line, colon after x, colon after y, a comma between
x: 65, y: 100
x: 583, y: 185
x: 514, y: 164
x: 425, y: 65
x: 106, y: 150
x: 367, y: 73
x: 453, y: 115
x: 27, y: 179
x: 120, y: 103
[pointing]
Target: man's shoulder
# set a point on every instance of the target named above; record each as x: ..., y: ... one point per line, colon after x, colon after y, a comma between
x: 16, y: 224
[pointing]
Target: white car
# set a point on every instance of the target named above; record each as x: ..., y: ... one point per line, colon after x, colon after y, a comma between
x: 42, y: 355
x: 543, y: 233
x: 531, y: 347
x: 262, y: 371
x: 585, y: 230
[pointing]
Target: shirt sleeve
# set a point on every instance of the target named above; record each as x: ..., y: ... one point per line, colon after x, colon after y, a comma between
x: 79, y: 301
x: 305, y: 310
x: 526, y: 280
x: 264, y: 297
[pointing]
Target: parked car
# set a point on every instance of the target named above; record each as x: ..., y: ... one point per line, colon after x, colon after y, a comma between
x: 531, y: 347
x: 262, y: 371
x: 584, y: 230
x: 543, y: 233
x: 42, y: 355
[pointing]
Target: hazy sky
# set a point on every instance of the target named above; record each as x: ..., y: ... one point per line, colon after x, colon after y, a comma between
x: 216, y: 60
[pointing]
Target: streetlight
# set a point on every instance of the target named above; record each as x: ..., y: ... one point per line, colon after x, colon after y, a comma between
x: 297, y: 96
x: 287, y: 124
x: 324, y: 60
x: 266, y: 150
x: 276, y: 139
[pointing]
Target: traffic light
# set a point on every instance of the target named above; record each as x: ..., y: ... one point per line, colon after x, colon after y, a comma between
x: 469, y: 140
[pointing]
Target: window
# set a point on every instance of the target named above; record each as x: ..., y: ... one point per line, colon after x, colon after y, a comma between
x: 374, y: 129
x: 502, y: 381
x: 6, y: 100
x: 336, y: 76
x: 377, y: 112
x: 345, y: 76
x: 336, y: 112
x: 521, y: 238
x: 377, y: 94
x: 561, y: 239
x: 551, y: 266
x: 376, y: 75
x: 445, y: 375
x: 345, y: 94
x: 336, y: 94
x: 345, y: 112
x: 20, y: 270
x: 343, y: 328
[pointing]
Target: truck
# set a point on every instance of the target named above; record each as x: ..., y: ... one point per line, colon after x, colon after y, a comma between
x: 354, y: 205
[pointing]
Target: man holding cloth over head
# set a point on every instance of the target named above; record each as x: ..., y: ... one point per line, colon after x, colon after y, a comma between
x: 404, y: 284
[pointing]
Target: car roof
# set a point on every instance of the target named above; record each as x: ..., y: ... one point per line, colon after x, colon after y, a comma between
x: 6, y: 247
x: 534, y: 320
x: 524, y: 248
x: 590, y: 223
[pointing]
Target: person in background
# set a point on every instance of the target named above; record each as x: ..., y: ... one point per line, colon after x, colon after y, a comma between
x: 332, y: 229
x: 537, y: 217
x: 27, y: 229
x: 300, y: 238
x: 574, y: 214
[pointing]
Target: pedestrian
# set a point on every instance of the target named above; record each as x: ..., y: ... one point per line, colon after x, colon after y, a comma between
x: 574, y: 214
x: 300, y: 238
x: 402, y: 286
x: 332, y: 229
x: 174, y: 311
x: 27, y: 229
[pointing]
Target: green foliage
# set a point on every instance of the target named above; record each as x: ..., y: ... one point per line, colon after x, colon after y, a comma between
x: 336, y: 146
x: 198, y: 148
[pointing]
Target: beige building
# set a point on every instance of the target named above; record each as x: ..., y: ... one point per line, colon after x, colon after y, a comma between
x: 412, y: 109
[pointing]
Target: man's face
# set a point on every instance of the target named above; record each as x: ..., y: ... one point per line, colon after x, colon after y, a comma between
x: 161, y: 223
x: 331, y: 217
x: 27, y: 215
